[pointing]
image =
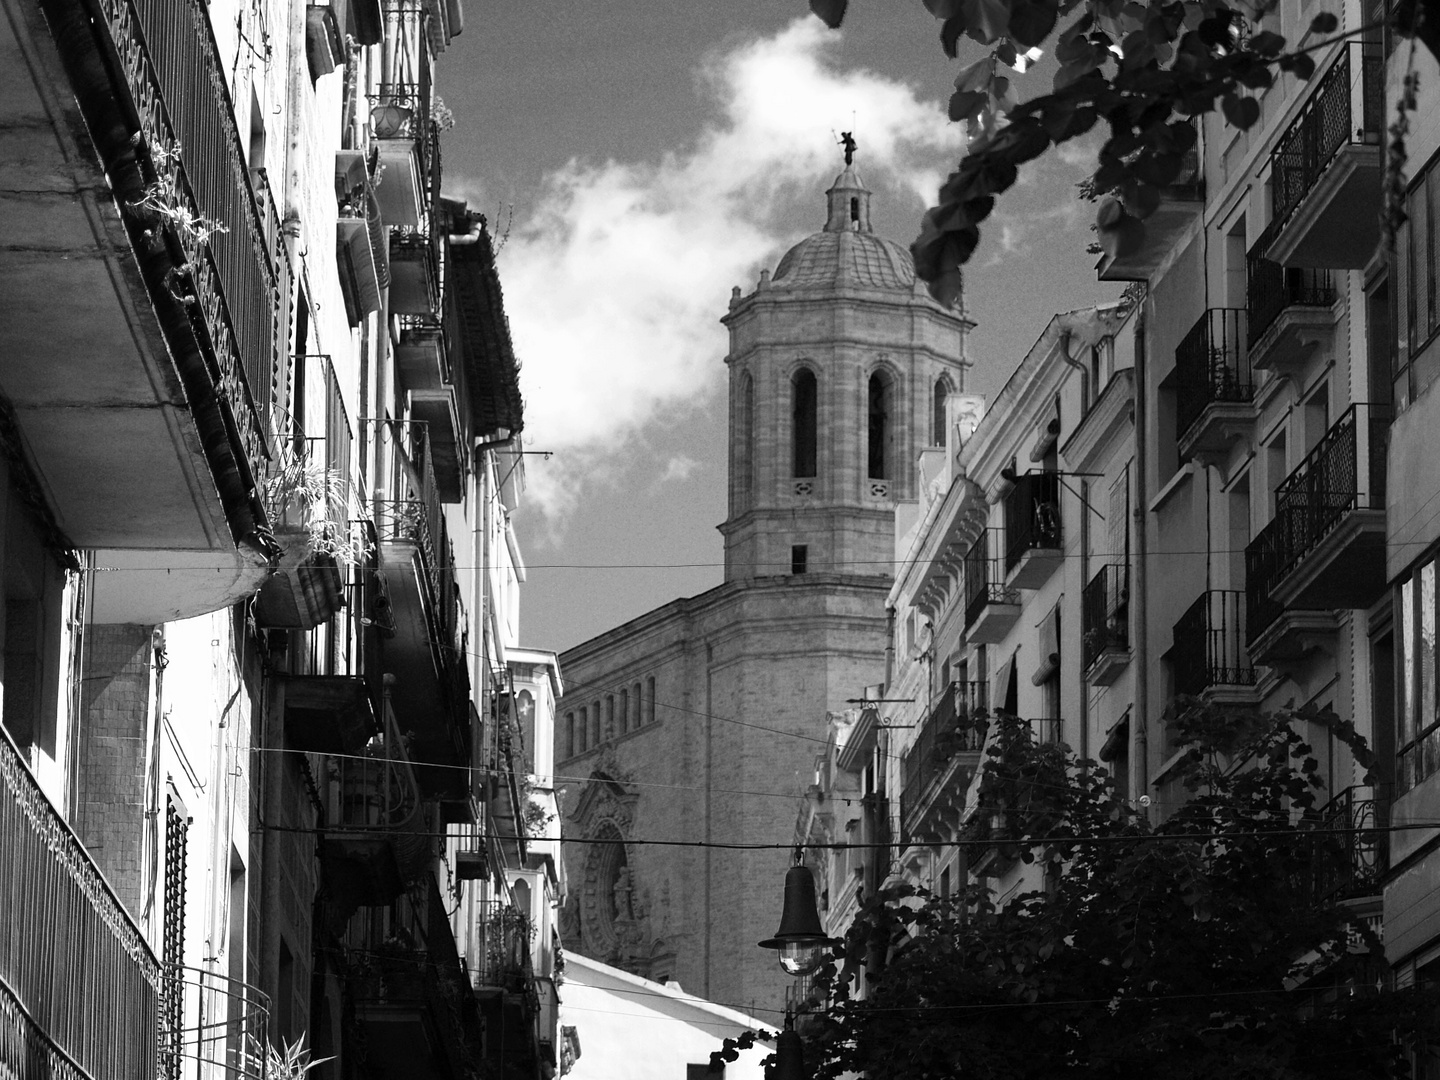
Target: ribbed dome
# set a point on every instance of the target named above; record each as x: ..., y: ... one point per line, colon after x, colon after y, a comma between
x: 846, y: 252
x: 863, y: 260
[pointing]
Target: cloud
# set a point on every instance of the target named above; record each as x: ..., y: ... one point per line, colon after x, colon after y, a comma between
x: 680, y: 468
x: 616, y: 280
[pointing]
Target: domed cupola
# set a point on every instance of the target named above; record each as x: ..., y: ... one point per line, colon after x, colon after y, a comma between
x: 847, y: 252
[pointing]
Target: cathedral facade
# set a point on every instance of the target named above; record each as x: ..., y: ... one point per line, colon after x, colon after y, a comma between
x: 697, y: 725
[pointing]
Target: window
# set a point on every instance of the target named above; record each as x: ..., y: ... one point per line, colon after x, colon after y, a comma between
x: 805, y: 400
x: 878, y: 444
x: 745, y: 435
x: 570, y: 734
x: 624, y: 711
x: 938, y: 414
x: 639, y: 705
x: 597, y: 725
x: 1417, y: 310
x: 1418, y: 737
x: 584, y: 729
x: 799, y: 554
x: 609, y: 716
x: 650, y: 700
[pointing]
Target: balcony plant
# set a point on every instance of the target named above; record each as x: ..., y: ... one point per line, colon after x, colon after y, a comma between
x: 308, y: 506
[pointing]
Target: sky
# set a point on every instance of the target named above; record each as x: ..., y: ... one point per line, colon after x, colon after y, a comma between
x: 639, y: 158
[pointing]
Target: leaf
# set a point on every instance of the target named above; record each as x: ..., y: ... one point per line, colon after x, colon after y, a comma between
x: 1242, y: 112
x: 966, y: 104
x: 831, y: 12
x: 1005, y: 53
x: 976, y: 76
x: 987, y: 19
x: 944, y: 9
x: 1324, y: 23
x: 1031, y: 21
x: 1267, y: 43
x: 1300, y: 64
x: 950, y: 32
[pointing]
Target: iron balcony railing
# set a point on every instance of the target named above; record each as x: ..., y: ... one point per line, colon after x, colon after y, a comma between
x: 1345, y: 471
x: 1209, y: 644
x: 418, y: 517
x: 1032, y: 516
x: 177, y: 80
x: 955, y: 725
x: 1271, y: 288
x: 79, y: 986
x: 1348, y: 851
x: 1105, y: 612
x: 213, y: 1025
x: 1211, y: 365
x: 1341, y: 112
x: 985, y: 577
x: 505, y: 934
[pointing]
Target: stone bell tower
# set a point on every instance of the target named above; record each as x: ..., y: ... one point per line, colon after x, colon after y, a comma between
x: 840, y: 365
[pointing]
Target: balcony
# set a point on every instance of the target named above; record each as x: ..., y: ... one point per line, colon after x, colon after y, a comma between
x: 937, y: 767
x: 1033, y: 535
x: 150, y: 438
x: 485, y: 353
x: 1213, y: 385
x: 1326, y: 170
x: 1180, y: 204
x: 427, y: 651
x: 211, y: 1025
x: 377, y: 837
x: 504, y: 982
x: 1105, y: 618
x: 991, y: 606
x: 1208, y: 655
x: 1289, y: 311
x: 412, y: 1001
x: 423, y: 353
x: 1325, y: 547
x: 414, y: 273
x: 1348, y: 852
x: 79, y: 986
x: 362, y: 247
x: 399, y: 132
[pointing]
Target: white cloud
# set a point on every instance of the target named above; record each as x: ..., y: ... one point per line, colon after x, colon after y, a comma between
x: 679, y: 468
x: 615, y: 282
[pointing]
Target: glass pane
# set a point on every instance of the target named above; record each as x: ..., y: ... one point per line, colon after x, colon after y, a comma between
x: 1425, y: 649
x: 1419, y: 266
x: 1403, y: 306
x: 1407, y: 662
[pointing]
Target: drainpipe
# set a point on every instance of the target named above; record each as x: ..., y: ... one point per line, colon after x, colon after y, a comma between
x: 1084, y: 707
x: 1139, y: 721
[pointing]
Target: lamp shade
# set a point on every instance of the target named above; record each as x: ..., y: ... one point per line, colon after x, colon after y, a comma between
x: 801, y: 939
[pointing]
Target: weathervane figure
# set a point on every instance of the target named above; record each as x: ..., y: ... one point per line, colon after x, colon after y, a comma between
x: 847, y: 140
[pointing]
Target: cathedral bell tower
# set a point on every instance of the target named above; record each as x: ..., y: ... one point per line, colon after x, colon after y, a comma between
x: 840, y: 368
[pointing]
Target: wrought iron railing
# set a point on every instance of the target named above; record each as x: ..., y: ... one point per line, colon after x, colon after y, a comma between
x: 1032, y: 516
x: 219, y: 1026
x: 1209, y: 644
x: 375, y: 791
x: 167, y: 53
x: 1327, y: 123
x: 505, y: 934
x: 1349, y: 854
x: 428, y: 328
x: 1271, y: 288
x: 956, y: 725
x: 1105, y: 612
x: 1345, y: 471
x: 985, y: 577
x: 79, y: 986
x: 1211, y: 365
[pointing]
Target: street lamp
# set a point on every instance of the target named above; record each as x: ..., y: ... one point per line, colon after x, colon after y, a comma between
x: 801, y: 940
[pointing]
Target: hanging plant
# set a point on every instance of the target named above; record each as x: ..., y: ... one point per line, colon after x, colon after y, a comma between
x: 304, y: 498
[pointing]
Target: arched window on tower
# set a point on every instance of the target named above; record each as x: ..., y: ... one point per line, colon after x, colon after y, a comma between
x: 745, y: 436
x: 805, y: 400
x: 938, y: 423
x: 879, y: 441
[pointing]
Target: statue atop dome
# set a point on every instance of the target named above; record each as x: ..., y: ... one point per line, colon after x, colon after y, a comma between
x: 847, y: 140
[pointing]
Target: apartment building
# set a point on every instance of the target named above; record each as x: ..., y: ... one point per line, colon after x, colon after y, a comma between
x: 262, y: 753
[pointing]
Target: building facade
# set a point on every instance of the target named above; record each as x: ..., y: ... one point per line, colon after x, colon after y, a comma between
x: 262, y: 751
x: 699, y: 720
